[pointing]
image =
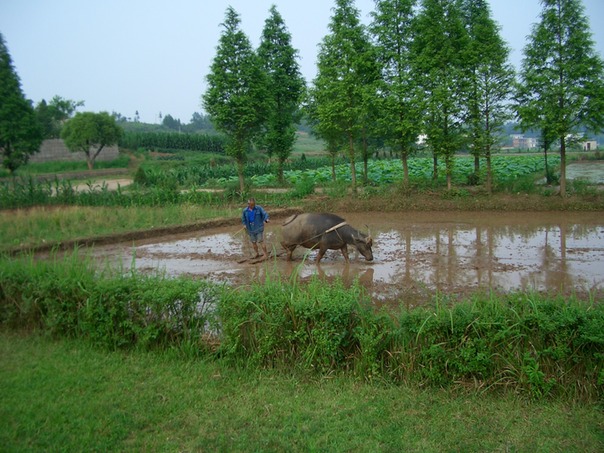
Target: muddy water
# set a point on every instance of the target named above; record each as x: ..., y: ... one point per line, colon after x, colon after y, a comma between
x: 415, y: 255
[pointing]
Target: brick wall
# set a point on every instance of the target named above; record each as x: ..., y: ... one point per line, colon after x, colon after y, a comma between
x: 55, y: 150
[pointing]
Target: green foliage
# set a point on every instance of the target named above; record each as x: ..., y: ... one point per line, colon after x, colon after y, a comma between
x: 303, y: 187
x: 473, y: 179
x: 166, y: 141
x: 536, y: 345
x: 583, y: 187
x: 340, y: 100
x: 562, y: 77
x: 68, y: 298
x: 277, y: 323
x: 53, y: 114
x: 490, y: 75
x: 89, y: 133
x: 20, y: 132
x: 236, y: 97
x: 25, y: 191
x: 532, y: 344
x: 398, y: 120
x: 285, y: 88
x: 440, y: 60
x: 159, y: 183
x: 389, y: 171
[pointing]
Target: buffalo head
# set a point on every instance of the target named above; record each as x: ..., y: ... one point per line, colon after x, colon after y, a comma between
x: 363, y: 245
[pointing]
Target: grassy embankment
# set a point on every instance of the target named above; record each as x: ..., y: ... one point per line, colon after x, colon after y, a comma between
x: 64, y: 394
x: 103, y: 361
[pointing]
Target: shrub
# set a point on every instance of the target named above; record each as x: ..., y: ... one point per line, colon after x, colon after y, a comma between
x: 531, y: 344
x: 67, y: 297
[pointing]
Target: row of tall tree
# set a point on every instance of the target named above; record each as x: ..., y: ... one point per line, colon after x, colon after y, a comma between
x: 255, y: 96
x: 432, y: 68
x: 213, y: 143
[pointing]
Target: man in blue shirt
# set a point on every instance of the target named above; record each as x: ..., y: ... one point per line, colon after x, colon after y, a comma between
x: 254, y: 217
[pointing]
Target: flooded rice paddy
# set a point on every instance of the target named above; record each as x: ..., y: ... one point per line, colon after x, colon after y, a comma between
x: 416, y: 255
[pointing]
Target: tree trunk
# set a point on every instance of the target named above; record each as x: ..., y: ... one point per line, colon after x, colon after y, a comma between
x: 280, y: 176
x: 353, y: 171
x: 489, y: 172
x: 365, y: 159
x: 240, y: 164
x: 333, y: 168
x: 405, y: 160
x: 548, y: 178
x: 562, y: 167
x: 449, y: 171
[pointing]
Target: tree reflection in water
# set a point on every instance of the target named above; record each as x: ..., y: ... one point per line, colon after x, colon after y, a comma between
x: 416, y: 255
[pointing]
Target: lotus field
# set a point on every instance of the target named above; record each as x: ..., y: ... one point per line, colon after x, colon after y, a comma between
x: 387, y: 171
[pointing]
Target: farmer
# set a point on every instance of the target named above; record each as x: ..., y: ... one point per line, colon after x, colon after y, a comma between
x: 254, y: 217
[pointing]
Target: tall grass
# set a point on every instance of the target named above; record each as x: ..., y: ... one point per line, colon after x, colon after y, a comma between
x: 527, y: 342
x: 66, y: 296
x: 26, y: 192
x: 520, y: 342
x: 45, y: 225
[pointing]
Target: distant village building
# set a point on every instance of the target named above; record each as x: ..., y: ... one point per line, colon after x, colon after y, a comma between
x: 589, y: 145
x: 53, y: 150
x: 521, y: 142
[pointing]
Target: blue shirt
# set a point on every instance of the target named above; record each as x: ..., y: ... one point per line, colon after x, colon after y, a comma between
x: 254, y: 219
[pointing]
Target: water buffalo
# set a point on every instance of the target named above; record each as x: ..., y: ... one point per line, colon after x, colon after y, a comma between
x: 325, y: 232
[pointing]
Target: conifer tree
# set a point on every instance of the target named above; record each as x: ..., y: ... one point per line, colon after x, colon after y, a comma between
x: 439, y: 67
x: 398, y: 121
x: 346, y: 81
x: 20, y: 133
x: 236, y: 97
x: 561, y: 87
x: 285, y: 88
x: 491, y: 79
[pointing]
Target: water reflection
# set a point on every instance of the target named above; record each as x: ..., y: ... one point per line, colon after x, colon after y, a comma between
x: 415, y: 255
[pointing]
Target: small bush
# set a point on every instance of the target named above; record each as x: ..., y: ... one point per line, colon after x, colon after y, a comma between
x: 66, y: 297
x: 304, y: 187
x: 473, y: 179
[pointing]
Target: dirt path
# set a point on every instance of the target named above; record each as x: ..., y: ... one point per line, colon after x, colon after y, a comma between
x: 109, y: 184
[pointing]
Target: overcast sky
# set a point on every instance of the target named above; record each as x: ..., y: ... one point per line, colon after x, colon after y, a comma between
x: 152, y: 56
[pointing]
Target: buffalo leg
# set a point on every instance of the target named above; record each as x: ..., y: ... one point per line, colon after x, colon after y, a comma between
x: 345, y: 253
x: 290, y: 250
x: 320, y: 254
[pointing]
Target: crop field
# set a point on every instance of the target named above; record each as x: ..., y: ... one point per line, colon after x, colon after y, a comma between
x: 505, y: 168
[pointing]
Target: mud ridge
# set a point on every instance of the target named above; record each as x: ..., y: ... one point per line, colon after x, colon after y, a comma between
x: 143, y: 234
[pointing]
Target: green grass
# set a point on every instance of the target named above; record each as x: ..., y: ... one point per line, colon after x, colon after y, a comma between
x: 38, y: 226
x: 66, y: 396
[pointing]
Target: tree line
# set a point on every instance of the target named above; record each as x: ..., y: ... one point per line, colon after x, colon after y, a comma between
x: 173, y: 141
x: 435, y: 70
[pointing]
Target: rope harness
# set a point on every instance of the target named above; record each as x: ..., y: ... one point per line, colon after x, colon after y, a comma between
x: 333, y: 228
